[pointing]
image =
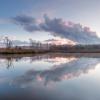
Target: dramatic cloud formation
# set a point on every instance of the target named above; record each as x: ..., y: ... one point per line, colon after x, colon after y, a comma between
x: 58, y: 27
x: 29, y: 23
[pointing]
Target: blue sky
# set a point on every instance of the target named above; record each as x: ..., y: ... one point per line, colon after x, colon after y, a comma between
x: 85, y: 12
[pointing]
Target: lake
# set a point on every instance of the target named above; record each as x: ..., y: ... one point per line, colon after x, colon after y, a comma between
x: 50, y: 77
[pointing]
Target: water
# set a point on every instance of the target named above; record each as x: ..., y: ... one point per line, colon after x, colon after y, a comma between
x: 50, y: 77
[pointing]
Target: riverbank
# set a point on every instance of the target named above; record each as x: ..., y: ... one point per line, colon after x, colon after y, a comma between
x: 43, y: 51
x: 21, y: 51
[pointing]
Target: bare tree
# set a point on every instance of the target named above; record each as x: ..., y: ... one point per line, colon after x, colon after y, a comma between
x: 35, y: 44
x: 32, y: 43
x: 7, y: 42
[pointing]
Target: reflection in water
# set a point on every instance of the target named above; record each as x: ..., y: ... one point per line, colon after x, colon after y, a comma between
x: 8, y: 61
x: 55, y: 59
x: 58, y: 73
x: 41, y: 72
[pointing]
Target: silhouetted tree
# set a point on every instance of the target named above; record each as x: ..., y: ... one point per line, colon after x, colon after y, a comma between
x: 7, y: 42
x: 32, y: 43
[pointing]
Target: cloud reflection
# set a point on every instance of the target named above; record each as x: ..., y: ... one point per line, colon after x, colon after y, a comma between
x: 57, y: 73
x: 63, y: 67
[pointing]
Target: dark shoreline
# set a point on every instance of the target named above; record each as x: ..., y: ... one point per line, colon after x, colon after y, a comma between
x: 51, y: 55
x: 70, y: 49
x: 29, y: 51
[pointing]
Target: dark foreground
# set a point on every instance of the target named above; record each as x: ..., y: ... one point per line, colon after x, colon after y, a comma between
x: 70, y: 49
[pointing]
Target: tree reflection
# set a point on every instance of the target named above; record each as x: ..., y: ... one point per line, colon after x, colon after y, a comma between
x: 9, y: 61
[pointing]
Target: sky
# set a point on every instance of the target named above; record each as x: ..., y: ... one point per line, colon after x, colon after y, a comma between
x: 47, y: 19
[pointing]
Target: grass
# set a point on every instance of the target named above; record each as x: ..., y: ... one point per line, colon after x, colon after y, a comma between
x: 55, y: 50
x: 20, y: 51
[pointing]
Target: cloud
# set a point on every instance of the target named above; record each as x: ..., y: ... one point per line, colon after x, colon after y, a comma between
x: 24, y: 20
x: 30, y: 24
x: 58, y: 27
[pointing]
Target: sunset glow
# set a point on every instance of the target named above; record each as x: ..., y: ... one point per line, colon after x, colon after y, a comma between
x: 59, y: 41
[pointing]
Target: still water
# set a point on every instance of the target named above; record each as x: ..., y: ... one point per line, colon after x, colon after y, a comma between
x: 50, y: 77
